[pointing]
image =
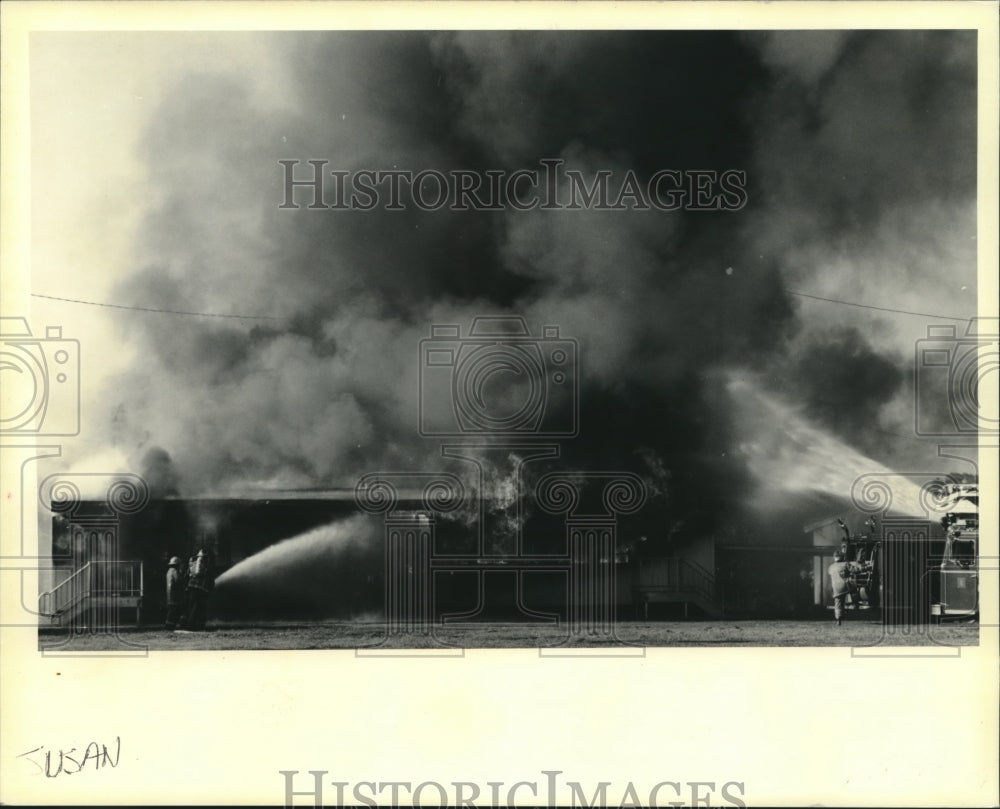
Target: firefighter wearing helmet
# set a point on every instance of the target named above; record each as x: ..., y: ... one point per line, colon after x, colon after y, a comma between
x: 840, y: 579
x: 175, y: 594
x: 201, y: 580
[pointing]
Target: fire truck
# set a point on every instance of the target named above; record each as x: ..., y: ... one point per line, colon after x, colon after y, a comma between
x: 956, y: 584
x: 948, y: 568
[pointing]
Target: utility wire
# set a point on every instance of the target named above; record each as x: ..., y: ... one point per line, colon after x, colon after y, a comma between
x: 877, y: 308
x: 149, y: 309
x: 269, y: 317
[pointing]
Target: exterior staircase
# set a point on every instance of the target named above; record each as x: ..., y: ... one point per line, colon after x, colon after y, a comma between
x: 94, y: 596
x: 675, y: 580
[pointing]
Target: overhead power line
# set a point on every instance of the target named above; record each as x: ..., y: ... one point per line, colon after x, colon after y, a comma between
x: 151, y: 309
x: 877, y: 308
x: 270, y: 317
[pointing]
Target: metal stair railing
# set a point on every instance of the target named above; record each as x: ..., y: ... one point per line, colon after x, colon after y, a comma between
x: 67, y: 593
x: 677, y: 573
x: 94, y: 579
x: 694, y: 580
x: 707, y: 578
x: 681, y: 577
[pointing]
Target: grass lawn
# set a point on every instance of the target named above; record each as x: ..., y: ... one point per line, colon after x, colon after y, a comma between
x: 857, y: 632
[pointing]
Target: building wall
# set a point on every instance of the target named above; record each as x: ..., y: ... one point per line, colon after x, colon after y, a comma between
x: 701, y: 552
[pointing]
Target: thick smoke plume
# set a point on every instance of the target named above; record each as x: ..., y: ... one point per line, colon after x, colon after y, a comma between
x: 859, y: 151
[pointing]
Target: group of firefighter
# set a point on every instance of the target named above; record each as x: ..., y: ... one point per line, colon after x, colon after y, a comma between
x: 842, y: 574
x: 188, y: 589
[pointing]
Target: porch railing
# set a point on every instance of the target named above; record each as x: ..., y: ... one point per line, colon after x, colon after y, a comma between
x: 93, y: 580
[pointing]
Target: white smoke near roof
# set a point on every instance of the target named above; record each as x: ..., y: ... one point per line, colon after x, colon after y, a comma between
x: 109, y: 461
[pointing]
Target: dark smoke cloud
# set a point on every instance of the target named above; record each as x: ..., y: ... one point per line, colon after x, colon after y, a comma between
x: 867, y: 167
x: 157, y: 470
x: 865, y: 158
x: 644, y: 96
x: 859, y: 149
x: 843, y: 384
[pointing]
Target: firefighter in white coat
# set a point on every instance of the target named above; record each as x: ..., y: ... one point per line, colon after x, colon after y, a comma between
x: 840, y: 580
x: 175, y: 594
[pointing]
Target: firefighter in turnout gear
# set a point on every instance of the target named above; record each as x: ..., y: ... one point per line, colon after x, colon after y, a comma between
x: 200, y: 583
x: 175, y: 594
x: 840, y: 579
